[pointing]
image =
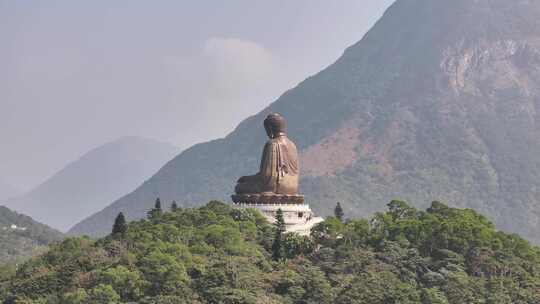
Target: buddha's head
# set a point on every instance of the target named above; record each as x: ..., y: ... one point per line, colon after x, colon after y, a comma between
x: 274, y: 124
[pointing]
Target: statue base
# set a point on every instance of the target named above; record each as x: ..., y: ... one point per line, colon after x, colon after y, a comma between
x: 297, y: 215
x: 267, y: 199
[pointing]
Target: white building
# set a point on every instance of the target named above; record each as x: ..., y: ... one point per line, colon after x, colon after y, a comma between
x: 298, y: 216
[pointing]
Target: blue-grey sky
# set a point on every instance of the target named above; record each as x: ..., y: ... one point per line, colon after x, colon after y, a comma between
x: 76, y: 74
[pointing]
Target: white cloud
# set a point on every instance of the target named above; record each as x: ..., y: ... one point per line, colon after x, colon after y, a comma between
x: 74, y: 76
x: 228, y: 80
x: 238, y: 67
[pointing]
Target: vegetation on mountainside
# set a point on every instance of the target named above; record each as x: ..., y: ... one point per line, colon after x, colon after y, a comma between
x: 218, y: 254
x: 21, y: 236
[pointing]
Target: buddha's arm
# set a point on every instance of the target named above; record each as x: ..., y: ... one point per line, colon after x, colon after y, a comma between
x: 248, y: 178
x: 269, y: 160
x: 265, y: 167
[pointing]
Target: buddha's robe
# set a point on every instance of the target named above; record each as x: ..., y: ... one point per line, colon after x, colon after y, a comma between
x: 278, y: 172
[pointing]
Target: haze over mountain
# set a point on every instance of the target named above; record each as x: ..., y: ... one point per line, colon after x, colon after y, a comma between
x: 7, y: 191
x: 77, y: 74
x: 93, y: 181
x: 438, y: 101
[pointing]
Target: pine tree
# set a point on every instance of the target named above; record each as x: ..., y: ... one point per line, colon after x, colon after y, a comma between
x: 174, y: 206
x: 338, y: 212
x: 157, y: 206
x: 278, y: 252
x: 156, y: 211
x: 120, y: 226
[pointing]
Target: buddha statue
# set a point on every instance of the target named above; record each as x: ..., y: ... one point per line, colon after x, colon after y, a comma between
x: 279, y: 170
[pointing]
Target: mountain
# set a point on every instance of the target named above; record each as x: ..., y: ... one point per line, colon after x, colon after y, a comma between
x: 219, y: 254
x: 439, y: 100
x: 92, y: 182
x: 21, y: 236
x: 7, y: 191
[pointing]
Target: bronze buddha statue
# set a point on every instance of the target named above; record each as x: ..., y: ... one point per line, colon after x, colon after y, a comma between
x: 279, y: 169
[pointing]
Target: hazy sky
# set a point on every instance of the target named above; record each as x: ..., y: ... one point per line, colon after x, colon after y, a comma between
x: 76, y: 74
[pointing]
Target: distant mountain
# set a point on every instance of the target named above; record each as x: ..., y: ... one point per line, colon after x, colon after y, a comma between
x: 439, y: 100
x: 92, y: 182
x: 21, y: 236
x: 7, y: 191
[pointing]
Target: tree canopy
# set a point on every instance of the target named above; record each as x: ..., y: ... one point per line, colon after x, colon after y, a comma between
x: 218, y: 254
x: 120, y: 225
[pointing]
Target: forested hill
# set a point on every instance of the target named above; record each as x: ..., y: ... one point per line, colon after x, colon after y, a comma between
x: 217, y: 254
x: 439, y: 100
x: 21, y: 236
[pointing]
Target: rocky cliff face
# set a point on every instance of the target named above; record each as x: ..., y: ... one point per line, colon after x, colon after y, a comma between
x: 437, y: 102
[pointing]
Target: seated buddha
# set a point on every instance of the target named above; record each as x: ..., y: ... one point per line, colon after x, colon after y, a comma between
x: 279, y: 170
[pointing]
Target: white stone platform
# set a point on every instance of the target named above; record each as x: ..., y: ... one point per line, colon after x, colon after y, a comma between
x: 298, y: 217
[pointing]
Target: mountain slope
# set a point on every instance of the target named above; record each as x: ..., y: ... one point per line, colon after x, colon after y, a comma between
x: 21, y: 236
x: 90, y: 183
x: 437, y: 101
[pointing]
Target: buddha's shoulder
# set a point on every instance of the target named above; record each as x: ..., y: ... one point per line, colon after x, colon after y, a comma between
x: 272, y: 142
x: 288, y: 142
x: 280, y: 141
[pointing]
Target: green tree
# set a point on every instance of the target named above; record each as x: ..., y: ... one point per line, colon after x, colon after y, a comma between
x: 433, y: 296
x: 103, y: 294
x: 120, y: 226
x: 296, y: 245
x: 317, y: 286
x: 157, y: 205
x: 168, y: 300
x: 174, y: 206
x: 338, y: 212
x: 356, y: 233
x: 378, y: 287
x: 155, y: 212
x: 278, y: 252
x: 128, y: 284
x: 400, y: 210
x: 328, y: 233
x: 78, y: 296
x: 305, y: 283
x: 165, y: 273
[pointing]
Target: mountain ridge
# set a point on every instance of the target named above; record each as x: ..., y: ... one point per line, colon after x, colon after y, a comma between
x: 86, y: 185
